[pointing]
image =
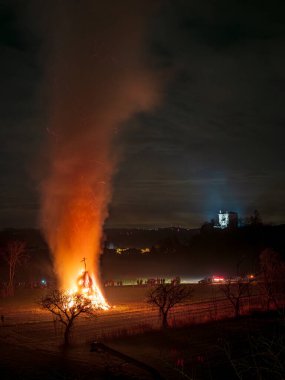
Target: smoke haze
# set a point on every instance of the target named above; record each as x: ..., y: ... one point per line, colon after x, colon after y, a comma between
x: 98, y: 79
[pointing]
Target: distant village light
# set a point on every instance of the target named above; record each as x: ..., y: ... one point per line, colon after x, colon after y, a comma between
x: 145, y: 250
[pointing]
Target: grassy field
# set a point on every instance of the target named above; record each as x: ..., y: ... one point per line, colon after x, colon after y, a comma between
x: 116, y: 295
x: 31, y: 351
x: 31, y: 339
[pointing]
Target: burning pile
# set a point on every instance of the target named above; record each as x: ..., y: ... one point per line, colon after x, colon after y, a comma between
x: 87, y: 287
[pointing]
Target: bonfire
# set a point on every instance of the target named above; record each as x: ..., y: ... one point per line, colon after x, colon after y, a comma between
x: 87, y: 286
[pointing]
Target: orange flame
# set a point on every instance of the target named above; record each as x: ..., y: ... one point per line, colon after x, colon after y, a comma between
x: 88, y: 287
x: 77, y: 234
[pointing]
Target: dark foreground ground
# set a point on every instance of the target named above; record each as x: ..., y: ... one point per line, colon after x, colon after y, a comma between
x: 249, y: 348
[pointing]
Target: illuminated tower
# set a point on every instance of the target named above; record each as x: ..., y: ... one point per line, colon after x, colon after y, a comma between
x: 228, y: 219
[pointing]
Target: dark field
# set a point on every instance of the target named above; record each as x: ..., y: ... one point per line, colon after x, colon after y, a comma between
x: 30, y: 340
x: 117, y: 295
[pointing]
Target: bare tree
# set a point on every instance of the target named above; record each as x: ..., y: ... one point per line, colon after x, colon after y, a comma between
x: 234, y: 291
x: 15, y: 256
x: 67, y: 308
x: 272, y: 274
x: 166, y: 296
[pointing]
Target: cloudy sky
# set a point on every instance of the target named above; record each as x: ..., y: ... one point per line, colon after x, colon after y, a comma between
x: 214, y: 142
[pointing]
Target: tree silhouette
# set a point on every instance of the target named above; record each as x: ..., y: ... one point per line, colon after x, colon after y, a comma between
x: 166, y: 296
x: 234, y: 291
x: 67, y: 309
x: 15, y: 255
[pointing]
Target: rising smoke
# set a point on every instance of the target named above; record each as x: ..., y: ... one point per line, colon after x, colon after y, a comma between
x: 98, y: 79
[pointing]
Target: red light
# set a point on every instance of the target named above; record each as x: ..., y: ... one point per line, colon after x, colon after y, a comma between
x: 218, y: 279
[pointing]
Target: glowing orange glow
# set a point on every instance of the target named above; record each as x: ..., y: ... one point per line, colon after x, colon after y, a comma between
x: 77, y: 235
x: 88, y: 287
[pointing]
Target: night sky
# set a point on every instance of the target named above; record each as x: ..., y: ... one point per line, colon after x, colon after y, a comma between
x: 214, y: 142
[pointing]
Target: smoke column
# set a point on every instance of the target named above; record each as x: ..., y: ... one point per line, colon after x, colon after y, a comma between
x: 98, y: 79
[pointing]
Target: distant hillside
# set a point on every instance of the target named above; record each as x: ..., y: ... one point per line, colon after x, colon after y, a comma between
x: 40, y: 262
x: 207, y: 252
x: 140, y: 238
x: 173, y: 251
x: 129, y: 238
